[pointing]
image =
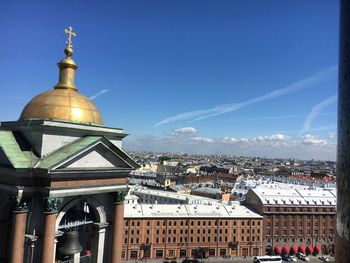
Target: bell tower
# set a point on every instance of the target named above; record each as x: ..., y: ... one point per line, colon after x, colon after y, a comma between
x: 63, y: 178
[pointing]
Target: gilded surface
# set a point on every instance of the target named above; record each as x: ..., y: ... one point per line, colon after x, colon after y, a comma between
x: 64, y: 102
x: 62, y: 105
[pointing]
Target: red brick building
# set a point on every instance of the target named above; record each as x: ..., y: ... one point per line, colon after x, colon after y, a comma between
x: 295, y: 218
x: 179, y: 231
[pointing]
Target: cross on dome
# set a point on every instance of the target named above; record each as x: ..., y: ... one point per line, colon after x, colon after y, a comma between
x: 70, y: 33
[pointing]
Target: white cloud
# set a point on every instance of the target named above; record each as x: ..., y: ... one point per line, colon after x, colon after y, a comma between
x: 98, y: 94
x: 278, y: 137
x: 314, y: 140
x: 315, y: 112
x: 308, y: 82
x: 228, y: 139
x: 184, y: 130
x: 203, y: 139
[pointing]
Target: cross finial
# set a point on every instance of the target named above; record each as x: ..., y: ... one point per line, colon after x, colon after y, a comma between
x: 70, y: 33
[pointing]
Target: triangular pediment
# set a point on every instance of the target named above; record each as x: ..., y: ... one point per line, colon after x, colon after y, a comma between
x: 96, y: 153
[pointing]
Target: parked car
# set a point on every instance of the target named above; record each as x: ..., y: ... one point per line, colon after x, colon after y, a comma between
x: 294, y: 259
x: 286, y: 258
x: 303, y: 257
x: 324, y: 258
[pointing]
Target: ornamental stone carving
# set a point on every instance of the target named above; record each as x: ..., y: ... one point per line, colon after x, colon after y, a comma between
x: 119, y: 197
x: 18, y: 204
x: 51, y: 204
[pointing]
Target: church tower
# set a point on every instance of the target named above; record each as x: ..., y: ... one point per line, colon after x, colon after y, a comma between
x: 63, y: 178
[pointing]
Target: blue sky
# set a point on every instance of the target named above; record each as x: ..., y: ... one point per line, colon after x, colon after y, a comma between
x: 234, y: 77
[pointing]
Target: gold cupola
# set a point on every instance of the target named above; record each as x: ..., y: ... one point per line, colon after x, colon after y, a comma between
x: 64, y: 102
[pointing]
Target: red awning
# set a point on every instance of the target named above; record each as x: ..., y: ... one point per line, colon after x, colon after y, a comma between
x: 301, y: 249
x: 309, y: 249
x: 285, y: 250
x: 317, y: 249
x: 293, y: 249
x: 277, y: 250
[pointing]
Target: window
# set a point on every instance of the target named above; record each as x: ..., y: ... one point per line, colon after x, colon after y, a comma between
x: 183, y: 253
x: 159, y: 253
x: 222, y: 251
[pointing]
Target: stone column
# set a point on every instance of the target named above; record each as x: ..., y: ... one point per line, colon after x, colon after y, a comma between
x: 100, y: 234
x: 18, y: 230
x: 49, y: 235
x: 118, y: 226
x: 342, y: 248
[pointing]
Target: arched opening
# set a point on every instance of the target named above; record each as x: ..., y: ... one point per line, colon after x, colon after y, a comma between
x: 77, y: 226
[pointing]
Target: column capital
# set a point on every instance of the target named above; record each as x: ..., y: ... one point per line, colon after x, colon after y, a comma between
x: 119, y: 196
x: 18, y: 204
x: 51, y: 204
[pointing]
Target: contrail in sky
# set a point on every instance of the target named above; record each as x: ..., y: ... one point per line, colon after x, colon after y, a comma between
x: 315, y: 112
x: 98, y: 94
x: 272, y: 117
x: 221, y: 109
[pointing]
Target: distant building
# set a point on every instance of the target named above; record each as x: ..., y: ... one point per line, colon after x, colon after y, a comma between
x: 295, y: 218
x: 179, y: 231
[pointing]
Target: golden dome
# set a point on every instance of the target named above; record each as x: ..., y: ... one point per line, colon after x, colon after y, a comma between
x: 64, y: 102
x: 62, y: 105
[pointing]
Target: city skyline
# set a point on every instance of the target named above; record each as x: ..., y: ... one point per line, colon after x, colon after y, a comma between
x: 255, y: 79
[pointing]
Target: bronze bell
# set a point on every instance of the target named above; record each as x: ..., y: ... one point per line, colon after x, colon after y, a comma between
x: 71, y: 244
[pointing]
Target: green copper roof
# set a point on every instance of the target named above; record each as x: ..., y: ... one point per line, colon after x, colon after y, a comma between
x: 19, y: 158
x: 66, y: 152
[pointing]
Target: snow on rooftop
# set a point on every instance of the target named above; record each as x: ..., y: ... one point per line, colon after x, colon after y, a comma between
x: 194, y: 211
x: 296, y: 196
